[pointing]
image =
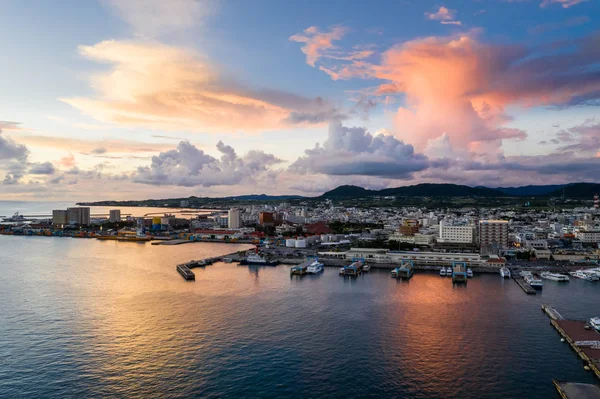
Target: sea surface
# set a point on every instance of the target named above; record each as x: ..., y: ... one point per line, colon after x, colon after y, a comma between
x: 32, y: 209
x: 87, y: 318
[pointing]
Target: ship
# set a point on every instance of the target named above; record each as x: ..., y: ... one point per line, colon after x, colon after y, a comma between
x: 256, y: 259
x: 505, y: 272
x: 554, y: 276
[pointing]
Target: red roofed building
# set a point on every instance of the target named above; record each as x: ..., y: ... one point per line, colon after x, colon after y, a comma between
x: 318, y: 228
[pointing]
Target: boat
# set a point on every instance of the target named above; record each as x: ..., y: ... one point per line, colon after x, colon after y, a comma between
x: 256, y: 259
x: 366, y: 268
x: 592, y: 274
x: 405, y: 271
x: 15, y: 218
x: 449, y: 271
x: 469, y: 272
x: 341, y: 271
x: 355, y: 268
x: 554, y: 276
x: 394, y: 272
x: 595, y: 323
x: 443, y: 272
x: 505, y: 272
x: 580, y: 274
x: 227, y: 260
x: 534, y: 281
x: 315, y: 267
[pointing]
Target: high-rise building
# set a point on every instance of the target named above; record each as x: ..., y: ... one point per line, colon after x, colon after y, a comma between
x: 114, y: 215
x: 59, y: 217
x: 493, y: 233
x: 79, y: 215
x: 596, y: 201
x: 233, y: 218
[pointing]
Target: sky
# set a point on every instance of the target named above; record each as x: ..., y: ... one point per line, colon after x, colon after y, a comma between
x: 136, y: 99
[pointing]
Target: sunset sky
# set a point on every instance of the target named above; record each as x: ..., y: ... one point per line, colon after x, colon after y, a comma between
x: 139, y: 99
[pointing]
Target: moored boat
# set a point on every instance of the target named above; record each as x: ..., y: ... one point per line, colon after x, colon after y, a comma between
x: 505, y: 272
x: 554, y: 276
x: 315, y: 267
x: 256, y: 259
x: 595, y: 323
x: 443, y: 272
x: 469, y: 272
x: 534, y: 281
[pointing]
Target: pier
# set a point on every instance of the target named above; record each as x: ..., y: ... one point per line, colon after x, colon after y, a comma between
x: 575, y: 390
x: 583, y: 339
x: 523, y: 284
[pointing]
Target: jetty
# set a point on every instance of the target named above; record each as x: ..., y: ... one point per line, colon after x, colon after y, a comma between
x: 529, y: 290
x: 186, y: 273
x: 582, y: 338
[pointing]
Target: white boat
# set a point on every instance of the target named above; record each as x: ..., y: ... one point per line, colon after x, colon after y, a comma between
x: 449, y: 271
x: 580, y: 274
x: 443, y: 272
x: 533, y: 281
x: 554, y: 276
x: 595, y: 323
x: 341, y: 271
x: 469, y: 272
x: 394, y: 272
x: 366, y: 268
x: 505, y: 272
x: 256, y: 259
x: 592, y: 274
x: 315, y: 267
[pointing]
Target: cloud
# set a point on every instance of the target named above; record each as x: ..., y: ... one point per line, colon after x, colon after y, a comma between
x: 68, y: 161
x: 583, y: 139
x: 563, y: 3
x: 156, y: 17
x: 445, y: 15
x: 9, y: 150
x: 7, y: 125
x: 354, y: 151
x: 156, y: 86
x: 317, y: 43
x: 41, y: 168
x: 88, y: 146
x: 98, y: 150
x: 552, y: 26
x: 188, y: 166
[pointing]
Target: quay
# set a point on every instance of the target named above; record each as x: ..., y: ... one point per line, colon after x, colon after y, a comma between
x: 583, y: 339
x: 523, y: 284
x: 574, y: 390
x: 301, y: 269
x: 186, y: 273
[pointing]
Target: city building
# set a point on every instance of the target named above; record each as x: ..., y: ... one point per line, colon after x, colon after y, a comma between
x: 266, y: 219
x: 233, y: 219
x: 114, y: 215
x: 456, y: 234
x: 493, y: 234
x: 80, y: 215
x: 409, y: 227
x: 59, y: 217
x: 589, y: 237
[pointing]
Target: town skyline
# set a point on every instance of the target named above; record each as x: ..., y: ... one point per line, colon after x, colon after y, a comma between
x: 140, y: 99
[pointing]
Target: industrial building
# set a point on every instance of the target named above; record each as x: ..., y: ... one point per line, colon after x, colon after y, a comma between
x: 79, y: 215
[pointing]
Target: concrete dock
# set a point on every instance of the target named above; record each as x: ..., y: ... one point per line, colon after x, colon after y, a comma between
x: 523, y: 284
x: 574, y: 390
x: 583, y: 339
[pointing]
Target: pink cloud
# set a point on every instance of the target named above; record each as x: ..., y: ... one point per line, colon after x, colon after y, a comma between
x: 317, y: 42
x: 445, y: 15
x: 563, y: 3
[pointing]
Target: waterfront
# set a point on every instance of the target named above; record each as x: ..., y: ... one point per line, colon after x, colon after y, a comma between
x: 89, y: 318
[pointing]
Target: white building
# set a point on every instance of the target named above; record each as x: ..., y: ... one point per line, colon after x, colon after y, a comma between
x: 589, y: 237
x: 456, y: 234
x: 114, y: 215
x: 233, y: 218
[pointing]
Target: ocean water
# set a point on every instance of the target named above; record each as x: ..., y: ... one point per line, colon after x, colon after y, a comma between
x: 44, y: 208
x: 87, y: 318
